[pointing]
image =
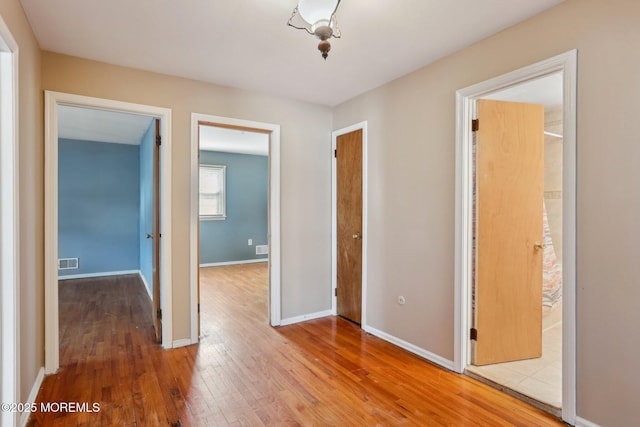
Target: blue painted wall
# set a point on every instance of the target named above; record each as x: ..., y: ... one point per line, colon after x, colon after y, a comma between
x: 247, y: 210
x: 146, y: 205
x: 98, y: 205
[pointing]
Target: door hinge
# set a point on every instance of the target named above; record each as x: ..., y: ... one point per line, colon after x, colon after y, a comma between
x: 158, y: 140
x: 473, y: 334
x: 335, y: 153
x: 335, y: 292
x: 159, y: 314
x: 198, y: 307
x: 475, y: 125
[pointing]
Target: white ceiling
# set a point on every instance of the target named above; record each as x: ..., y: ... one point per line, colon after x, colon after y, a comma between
x: 214, y: 138
x: 247, y: 44
x: 88, y: 124
x: 546, y: 90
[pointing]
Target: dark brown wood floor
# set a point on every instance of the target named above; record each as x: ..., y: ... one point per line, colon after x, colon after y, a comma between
x: 325, y: 372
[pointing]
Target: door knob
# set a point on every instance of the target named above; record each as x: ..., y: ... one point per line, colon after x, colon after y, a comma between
x: 357, y: 236
x: 538, y: 246
x: 149, y: 236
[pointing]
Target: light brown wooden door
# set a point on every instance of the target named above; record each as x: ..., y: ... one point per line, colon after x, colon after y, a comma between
x: 509, y: 200
x: 157, y: 315
x: 349, y: 225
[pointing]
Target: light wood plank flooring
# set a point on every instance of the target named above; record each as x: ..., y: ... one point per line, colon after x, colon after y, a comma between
x: 325, y: 372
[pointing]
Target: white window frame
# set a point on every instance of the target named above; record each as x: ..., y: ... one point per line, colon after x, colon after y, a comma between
x: 223, y: 193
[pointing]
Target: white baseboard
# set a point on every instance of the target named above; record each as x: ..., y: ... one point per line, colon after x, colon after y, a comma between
x: 33, y: 395
x: 432, y: 357
x: 305, y: 317
x: 182, y: 343
x: 101, y: 274
x: 110, y: 273
x: 247, y: 261
x: 581, y: 422
x: 146, y: 285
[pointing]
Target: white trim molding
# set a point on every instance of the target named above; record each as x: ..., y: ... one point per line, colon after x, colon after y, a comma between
x: 247, y: 261
x: 9, y: 225
x: 52, y: 101
x: 274, y: 213
x: 565, y: 63
x: 110, y: 273
x: 33, y: 394
x: 581, y: 422
x: 334, y: 215
x: 305, y: 317
x: 99, y: 274
x: 425, y: 354
x: 147, y: 287
x: 183, y: 342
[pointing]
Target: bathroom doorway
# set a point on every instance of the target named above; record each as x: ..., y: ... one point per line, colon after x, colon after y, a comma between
x: 536, y: 374
x: 557, y: 203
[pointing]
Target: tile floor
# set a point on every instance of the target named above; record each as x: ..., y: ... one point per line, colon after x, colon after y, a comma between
x: 540, y: 379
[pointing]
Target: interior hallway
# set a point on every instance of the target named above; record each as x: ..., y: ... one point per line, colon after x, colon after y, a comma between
x: 322, y: 372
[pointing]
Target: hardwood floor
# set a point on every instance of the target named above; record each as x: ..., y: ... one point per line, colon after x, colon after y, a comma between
x: 325, y: 372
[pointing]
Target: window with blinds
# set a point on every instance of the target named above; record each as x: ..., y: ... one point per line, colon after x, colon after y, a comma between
x: 212, y: 192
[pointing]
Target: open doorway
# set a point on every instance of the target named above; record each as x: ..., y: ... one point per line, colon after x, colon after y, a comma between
x: 56, y: 105
x: 556, y: 298
x: 108, y: 193
x: 233, y: 214
x: 235, y: 208
x: 535, y: 369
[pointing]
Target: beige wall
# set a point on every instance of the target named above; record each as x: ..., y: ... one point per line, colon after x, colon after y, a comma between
x: 31, y: 163
x: 411, y: 202
x: 305, y: 169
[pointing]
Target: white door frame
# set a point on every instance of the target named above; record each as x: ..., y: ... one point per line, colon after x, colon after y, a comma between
x: 334, y: 219
x: 52, y: 101
x: 275, y: 314
x: 465, y: 101
x: 9, y: 224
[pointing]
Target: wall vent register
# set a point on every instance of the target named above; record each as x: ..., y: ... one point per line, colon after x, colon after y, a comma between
x: 262, y: 249
x: 68, y: 264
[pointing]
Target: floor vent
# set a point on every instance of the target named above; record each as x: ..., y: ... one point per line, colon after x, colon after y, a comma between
x: 262, y: 249
x: 68, y: 264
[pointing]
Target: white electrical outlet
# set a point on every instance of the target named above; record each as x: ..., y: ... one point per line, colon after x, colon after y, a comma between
x: 250, y: 242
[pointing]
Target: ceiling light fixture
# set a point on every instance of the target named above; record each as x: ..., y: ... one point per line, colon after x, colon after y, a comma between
x: 317, y: 17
